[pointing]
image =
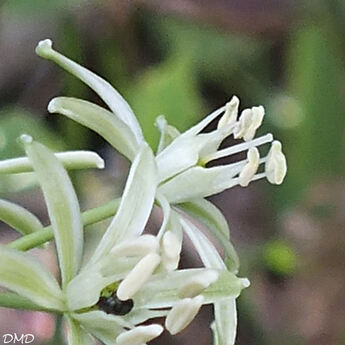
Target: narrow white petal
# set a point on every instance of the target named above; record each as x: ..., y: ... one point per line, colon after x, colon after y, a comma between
x: 69, y: 159
x: 215, y: 222
x: 198, y: 182
x: 24, y: 275
x: 109, y: 95
x: 182, y: 314
x: 138, y: 276
x: 165, y: 206
x: 76, y: 335
x: 62, y: 204
x: 226, y: 321
x: 136, y: 204
x: 168, y: 133
x: 19, y: 218
x: 105, y: 327
x: 100, y: 120
x: 139, y: 335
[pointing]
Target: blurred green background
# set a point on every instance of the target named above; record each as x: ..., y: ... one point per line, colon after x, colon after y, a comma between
x: 184, y: 59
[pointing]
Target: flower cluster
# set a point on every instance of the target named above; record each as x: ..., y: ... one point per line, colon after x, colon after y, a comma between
x: 133, y: 277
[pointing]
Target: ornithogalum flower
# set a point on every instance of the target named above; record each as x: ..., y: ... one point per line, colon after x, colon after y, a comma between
x: 131, y: 277
x: 182, y: 181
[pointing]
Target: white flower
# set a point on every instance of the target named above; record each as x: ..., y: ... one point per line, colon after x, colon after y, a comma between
x: 130, y: 278
x: 182, y: 179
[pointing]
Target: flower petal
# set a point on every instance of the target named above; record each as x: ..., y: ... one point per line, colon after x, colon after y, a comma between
x: 76, y: 335
x: 168, y: 133
x: 103, y: 326
x: 62, y: 204
x: 198, y: 182
x: 98, y: 119
x: 110, y: 96
x: 225, y: 311
x: 24, y: 275
x: 19, y: 218
x: 165, y: 289
x: 204, y: 211
x: 136, y: 203
x: 70, y: 160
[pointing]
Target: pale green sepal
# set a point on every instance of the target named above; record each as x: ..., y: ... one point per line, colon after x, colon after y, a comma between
x: 100, y: 120
x: 206, y: 250
x: 76, y: 335
x: 225, y: 311
x: 70, y: 160
x: 168, y: 133
x: 27, y: 277
x: 198, y: 182
x: 136, y: 203
x: 184, y: 152
x: 205, y: 212
x: 62, y: 204
x: 103, y: 326
x: 19, y: 218
x: 110, y: 96
x: 225, y: 314
x: 163, y: 289
x: 166, y: 209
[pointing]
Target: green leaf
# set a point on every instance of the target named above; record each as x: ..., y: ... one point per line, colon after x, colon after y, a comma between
x: 70, y: 160
x: 136, y: 203
x: 100, y: 120
x: 62, y: 204
x: 19, y: 218
x: 110, y: 96
x: 24, y: 275
x: 207, y: 213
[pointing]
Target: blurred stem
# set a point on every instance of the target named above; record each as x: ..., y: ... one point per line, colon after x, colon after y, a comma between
x: 89, y: 217
x: 14, y: 301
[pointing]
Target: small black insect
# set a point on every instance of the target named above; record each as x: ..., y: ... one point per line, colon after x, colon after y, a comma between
x: 112, y: 305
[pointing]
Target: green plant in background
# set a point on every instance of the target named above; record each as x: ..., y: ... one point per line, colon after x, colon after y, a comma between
x: 130, y: 277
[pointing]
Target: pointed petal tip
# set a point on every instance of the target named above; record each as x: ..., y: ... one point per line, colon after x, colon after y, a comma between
x: 245, y: 282
x: 25, y: 139
x: 44, y: 48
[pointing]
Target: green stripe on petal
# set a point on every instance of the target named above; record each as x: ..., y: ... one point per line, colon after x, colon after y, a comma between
x: 62, y: 204
x: 110, y: 96
x: 24, y: 275
x: 136, y: 203
x: 205, y: 212
x: 225, y: 311
x: 103, y: 326
x: 76, y: 335
x: 19, y: 218
x: 98, y: 119
x: 70, y: 160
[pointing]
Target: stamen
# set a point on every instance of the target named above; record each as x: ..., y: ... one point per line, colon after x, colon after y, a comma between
x: 239, y: 148
x: 195, y: 285
x: 139, y: 275
x: 171, y: 249
x: 276, y: 164
x: 231, y: 112
x: 139, y: 246
x: 182, y: 314
x: 139, y: 335
x: 250, y: 168
x: 250, y: 121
